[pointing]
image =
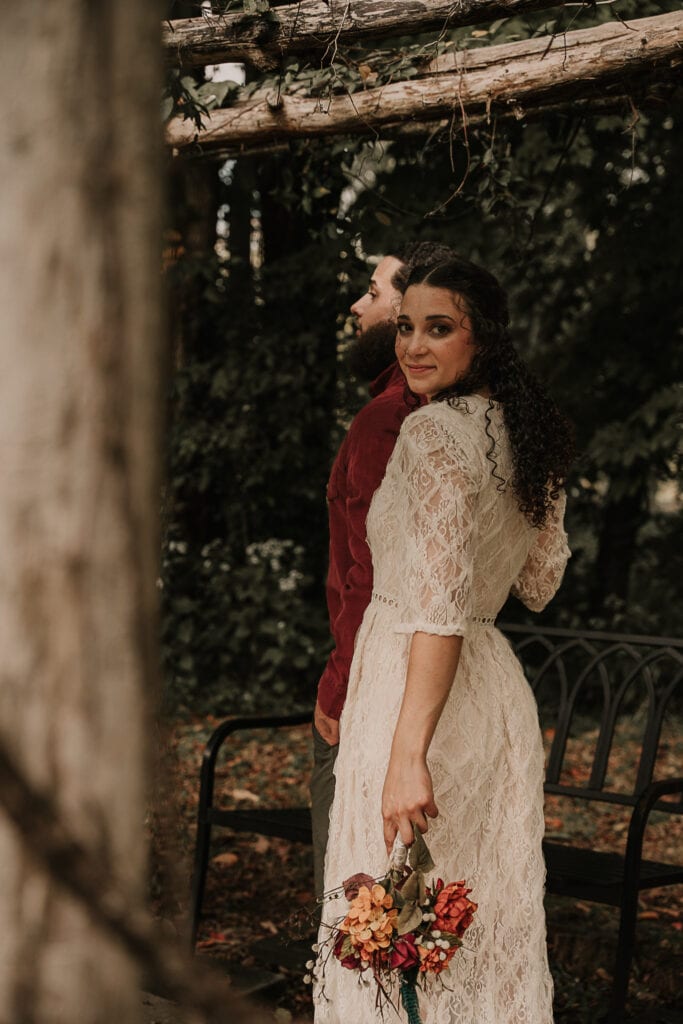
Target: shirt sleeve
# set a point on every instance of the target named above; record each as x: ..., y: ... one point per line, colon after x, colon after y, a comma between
x: 442, y: 477
x: 368, y: 457
x: 543, y: 570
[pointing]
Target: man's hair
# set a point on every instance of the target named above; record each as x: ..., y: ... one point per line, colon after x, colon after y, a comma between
x: 419, y: 254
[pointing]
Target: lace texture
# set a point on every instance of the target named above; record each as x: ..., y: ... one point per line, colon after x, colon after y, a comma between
x: 448, y: 545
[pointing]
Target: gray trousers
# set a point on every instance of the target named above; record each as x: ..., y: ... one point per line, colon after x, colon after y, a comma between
x: 322, y: 795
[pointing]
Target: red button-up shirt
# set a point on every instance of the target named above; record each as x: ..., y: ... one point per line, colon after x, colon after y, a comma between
x: 356, y: 474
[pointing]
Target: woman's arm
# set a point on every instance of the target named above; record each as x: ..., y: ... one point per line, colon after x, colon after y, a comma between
x: 408, y: 795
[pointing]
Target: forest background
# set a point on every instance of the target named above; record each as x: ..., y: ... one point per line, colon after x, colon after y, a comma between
x: 579, y: 215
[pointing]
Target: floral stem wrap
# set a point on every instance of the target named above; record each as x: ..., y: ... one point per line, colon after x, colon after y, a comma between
x: 409, y: 997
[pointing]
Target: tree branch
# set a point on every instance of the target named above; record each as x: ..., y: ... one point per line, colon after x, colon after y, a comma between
x: 310, y: 26
x: 510, y: 79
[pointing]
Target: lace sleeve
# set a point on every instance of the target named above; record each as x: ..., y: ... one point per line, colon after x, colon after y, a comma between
x: 440, y: 475
x: 543, y: 570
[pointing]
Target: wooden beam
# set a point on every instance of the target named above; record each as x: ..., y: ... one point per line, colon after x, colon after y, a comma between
x: 464, y: 84
x: 313, y: 26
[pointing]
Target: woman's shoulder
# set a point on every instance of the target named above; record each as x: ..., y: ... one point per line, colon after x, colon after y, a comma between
x: 464, y: 419
x: 456, y: 430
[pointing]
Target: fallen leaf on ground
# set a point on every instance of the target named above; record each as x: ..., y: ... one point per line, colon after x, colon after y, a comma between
x: 245, y: 794
x: 226, y: 860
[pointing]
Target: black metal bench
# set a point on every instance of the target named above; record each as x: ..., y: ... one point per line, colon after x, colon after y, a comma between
x: 618, y: 681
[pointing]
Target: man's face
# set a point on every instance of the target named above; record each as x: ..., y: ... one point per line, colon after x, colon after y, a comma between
x: 375, y: 314
x: 381, y: 302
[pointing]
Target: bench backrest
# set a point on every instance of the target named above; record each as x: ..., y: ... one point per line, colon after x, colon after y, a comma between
x: 624, y: 685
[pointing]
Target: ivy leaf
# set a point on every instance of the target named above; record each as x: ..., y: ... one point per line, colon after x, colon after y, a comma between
x: 256, y: 6
x: 213, y: 94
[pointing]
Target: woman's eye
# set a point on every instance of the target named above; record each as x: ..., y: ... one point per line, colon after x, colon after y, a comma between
x: 404, y: 328
x: 439, y: 330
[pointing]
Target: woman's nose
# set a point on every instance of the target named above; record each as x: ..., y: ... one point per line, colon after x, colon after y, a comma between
x: 415, y: 342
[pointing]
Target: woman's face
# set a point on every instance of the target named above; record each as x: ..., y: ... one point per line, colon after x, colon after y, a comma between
x: 434, y: 342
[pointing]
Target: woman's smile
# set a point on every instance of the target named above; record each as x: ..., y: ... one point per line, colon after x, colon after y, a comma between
x: 434, y: 326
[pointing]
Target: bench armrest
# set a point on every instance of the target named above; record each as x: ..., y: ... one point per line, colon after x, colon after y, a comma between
x: 226, y: 729
x: 647, y: 802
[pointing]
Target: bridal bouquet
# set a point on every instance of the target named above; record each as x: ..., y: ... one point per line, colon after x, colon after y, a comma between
x: 399, y: 928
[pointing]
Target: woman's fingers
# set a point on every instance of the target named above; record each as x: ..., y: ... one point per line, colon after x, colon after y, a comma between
x: 390, y: 831
x: 407, y: 801
x: 431, y: 809
x: 405, y: 828
x: 403, y: 825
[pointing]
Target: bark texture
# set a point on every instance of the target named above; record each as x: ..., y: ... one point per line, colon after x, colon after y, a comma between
x: 511, y: 79
x: 314, y: 26
x: 80, y: 395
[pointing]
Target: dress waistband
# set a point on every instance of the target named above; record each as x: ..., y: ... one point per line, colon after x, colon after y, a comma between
x: 480, y: 620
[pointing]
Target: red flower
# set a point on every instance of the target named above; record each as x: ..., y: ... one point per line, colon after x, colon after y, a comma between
x: 353, y: 884
x: 454, y: 912
x: 404, y: 954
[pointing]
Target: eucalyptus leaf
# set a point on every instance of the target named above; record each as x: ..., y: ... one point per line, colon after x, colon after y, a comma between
x: 411, y: 888
x: 409, y: 918
x: 419, y: 858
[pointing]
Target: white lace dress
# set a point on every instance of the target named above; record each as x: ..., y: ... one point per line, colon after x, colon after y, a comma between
x: 448, y: 545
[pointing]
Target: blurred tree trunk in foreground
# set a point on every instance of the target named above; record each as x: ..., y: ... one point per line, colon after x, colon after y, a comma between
x: 80, y: 345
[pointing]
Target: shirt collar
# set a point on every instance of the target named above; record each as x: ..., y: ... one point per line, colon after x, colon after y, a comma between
x: 391, y: 376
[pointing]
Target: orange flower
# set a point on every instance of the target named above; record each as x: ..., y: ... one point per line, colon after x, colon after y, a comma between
x: 370, y: 921
x: 431, y: 958
x: 454, y: 912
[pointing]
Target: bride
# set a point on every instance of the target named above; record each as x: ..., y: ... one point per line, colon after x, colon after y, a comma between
x: 440, y: 727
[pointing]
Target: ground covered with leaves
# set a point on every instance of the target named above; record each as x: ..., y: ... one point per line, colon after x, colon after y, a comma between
x: 259, y: 887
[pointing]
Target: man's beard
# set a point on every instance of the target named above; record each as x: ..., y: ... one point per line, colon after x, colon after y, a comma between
x: 373, y: 351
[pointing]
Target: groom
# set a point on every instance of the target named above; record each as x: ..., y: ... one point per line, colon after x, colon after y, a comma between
x: 356, y: 474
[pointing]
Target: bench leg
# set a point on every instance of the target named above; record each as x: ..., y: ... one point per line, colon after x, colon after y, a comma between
x: 625, y: 947
x: 201, y: 860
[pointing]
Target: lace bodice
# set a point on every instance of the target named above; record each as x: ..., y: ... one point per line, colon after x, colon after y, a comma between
x: 447, y: 500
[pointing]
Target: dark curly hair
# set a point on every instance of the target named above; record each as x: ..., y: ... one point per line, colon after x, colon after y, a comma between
x: 541, y: 437
x: 419, y: 254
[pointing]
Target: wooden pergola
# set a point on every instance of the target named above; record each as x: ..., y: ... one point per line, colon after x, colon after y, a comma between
x: 598, y: 67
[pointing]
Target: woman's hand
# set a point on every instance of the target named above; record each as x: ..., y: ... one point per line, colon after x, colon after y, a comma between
x: 407, y: 799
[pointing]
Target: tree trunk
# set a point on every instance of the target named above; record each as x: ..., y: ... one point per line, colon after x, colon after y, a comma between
x: 494, y: 80
x: 80, y: 392
x: 617, y: 548
x: 316, y: 26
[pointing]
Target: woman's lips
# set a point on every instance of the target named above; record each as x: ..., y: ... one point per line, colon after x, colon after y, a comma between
x: 419, y: 369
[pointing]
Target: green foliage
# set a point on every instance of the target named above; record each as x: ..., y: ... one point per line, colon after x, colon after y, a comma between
x: 252, y: 435
x: 239, y: 636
